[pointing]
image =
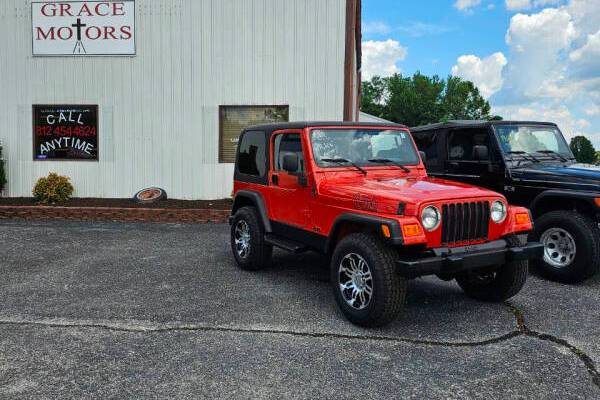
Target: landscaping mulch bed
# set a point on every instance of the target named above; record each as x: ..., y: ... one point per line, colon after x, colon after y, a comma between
x: 224, y: 204
x: 125, y: 210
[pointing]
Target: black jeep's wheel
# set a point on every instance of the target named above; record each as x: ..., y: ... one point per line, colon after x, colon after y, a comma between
x: 499, y: 284
x: 571, y: 246
x: 365, y: 282
x: 248, y: 240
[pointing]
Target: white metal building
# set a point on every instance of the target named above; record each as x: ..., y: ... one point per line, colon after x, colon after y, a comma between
x: 160, y: 81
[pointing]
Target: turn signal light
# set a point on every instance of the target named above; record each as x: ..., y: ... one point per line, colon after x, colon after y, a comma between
x: 597, y: 201
x: 522, y: 218
x: 386, y: 231
x: 411, y: 230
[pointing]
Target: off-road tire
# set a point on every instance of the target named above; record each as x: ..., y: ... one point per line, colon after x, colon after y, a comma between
x: 389, y: 288
x: 259, y: 254
x: 586, y: 234
x: 509, y: 279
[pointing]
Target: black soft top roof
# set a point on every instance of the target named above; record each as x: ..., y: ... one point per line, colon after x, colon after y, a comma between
x: 474, y: 124
x: 308, y: 124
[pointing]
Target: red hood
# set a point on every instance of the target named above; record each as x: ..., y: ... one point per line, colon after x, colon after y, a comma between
x: 387, y: 192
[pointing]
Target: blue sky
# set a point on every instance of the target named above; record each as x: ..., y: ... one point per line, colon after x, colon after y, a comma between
x: 533, y: 59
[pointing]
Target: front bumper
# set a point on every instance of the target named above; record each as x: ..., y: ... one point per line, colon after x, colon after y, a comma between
x: 451, y: 261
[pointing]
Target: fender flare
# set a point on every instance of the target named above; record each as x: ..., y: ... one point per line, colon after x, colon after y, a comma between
x: 588, y: 197
x: 369, y: 220
x: 257, y: 200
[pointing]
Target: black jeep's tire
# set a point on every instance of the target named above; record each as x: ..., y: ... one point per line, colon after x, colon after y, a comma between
x: 247, y: 227
x: 585, y: 234
x: 388, y: 288
x: 504, y: 283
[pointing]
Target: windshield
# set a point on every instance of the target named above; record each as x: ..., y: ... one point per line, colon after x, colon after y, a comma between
x: 358, y: 146
x: 521, y: 139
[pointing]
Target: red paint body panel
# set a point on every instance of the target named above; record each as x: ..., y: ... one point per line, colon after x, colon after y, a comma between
x: 331, y: 192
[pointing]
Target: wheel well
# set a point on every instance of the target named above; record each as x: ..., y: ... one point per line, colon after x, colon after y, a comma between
x: 346, y: 228
x: 242, y: 201
x: 556, y: 203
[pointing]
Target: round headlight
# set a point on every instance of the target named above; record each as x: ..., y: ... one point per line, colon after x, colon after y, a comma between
x: 498, y: 211
x: 430, y: 218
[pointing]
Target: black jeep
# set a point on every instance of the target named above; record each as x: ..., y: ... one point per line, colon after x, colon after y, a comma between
x: 532, y: 165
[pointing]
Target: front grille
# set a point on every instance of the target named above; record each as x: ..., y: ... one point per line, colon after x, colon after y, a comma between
x: 464, y: 222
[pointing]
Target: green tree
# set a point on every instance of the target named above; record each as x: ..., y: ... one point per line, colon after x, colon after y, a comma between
x: 2, y: 172
x: 583, y: 150
x: 421, y: 99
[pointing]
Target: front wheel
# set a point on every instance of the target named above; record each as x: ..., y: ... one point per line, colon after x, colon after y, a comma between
x: 366, y: 285
x: 498, y: 284
x: 571, y: 246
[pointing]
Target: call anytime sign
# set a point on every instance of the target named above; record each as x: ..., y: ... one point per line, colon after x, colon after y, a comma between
x: 80, y: 28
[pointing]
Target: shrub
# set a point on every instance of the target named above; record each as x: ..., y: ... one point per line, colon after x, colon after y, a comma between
x: 53, y: 189
x: 2, y: 172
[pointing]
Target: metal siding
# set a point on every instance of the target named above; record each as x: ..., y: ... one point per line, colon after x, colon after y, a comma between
x: 159, y: 110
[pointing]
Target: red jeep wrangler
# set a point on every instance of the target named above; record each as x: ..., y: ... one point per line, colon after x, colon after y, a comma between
x: 360, y: 193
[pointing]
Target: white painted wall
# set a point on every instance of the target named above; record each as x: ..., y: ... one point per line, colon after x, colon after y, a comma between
x: 159, y: 122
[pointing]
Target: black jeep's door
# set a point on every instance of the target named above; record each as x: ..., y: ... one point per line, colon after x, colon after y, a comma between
x: 471, y: 156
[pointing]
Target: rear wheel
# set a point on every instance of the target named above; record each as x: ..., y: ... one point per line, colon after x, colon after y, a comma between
x: 571, y: 246
x: 366, y: 285
x: 497, y: 284
x: 248, y: 240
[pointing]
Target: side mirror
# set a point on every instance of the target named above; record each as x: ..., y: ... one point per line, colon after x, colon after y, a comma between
x: 481, y: 153
x: 290, y: 163
x: 423, y: 156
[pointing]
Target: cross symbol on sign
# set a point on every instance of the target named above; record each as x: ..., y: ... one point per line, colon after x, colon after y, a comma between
x: 78, y: 25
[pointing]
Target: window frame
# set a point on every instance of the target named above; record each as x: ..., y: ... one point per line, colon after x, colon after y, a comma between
x: 224, y: 107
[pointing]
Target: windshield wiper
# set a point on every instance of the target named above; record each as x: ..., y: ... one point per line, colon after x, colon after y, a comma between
x: 388, y: 161
x: 344, y: 161
x: 551, y: 152
x: 525, y: 155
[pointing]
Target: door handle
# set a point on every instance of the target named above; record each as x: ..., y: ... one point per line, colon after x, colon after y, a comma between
x: 275, y: 179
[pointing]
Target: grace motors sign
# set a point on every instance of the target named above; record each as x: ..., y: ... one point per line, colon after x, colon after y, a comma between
x: 83, y: 28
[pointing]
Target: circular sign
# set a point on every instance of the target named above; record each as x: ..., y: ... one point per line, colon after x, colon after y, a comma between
x: 150, y: 195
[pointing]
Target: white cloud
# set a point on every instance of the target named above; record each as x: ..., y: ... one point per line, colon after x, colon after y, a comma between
x: 592, y: 109
x: 466, y: 5
x: 381, y: 58
x: 376, y: 27
x: 516, y: 5
x: 586, y: 59
x: 485, y: 73
x: 536, y: 43
x: 513, y: 5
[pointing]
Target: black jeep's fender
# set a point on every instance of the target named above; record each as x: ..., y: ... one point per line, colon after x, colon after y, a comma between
x: 368, y: 220
x: 586, y: 197
x: 247, y: 197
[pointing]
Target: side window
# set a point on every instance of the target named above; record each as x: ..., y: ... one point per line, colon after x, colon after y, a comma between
x: 252, y: 155
x: 427, y: 142
x: 284, y: 144
x: 461, y: 143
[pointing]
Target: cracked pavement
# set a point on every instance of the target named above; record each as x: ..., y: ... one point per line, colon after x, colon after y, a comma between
x: 160, y: 310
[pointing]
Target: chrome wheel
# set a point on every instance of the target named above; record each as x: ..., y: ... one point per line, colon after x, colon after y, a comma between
x: 559, y: 247
x: 355, y: 281
x: 242, y: 239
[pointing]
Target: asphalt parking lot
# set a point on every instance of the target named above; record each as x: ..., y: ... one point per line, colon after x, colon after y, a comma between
x: 146, y: 310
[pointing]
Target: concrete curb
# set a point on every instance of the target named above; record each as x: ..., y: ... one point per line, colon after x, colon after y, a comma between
x: 115, y: 214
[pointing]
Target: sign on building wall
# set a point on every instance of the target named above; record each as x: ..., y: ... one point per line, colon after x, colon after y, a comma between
x: 65, y: 132
x: 83, y: 28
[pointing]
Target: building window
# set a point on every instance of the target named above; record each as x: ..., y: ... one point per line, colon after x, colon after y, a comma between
x: 253, y: 154
x: 234, y: 119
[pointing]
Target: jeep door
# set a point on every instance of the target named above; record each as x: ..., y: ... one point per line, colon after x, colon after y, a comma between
x: 472, y: 157
x: 289, y: 195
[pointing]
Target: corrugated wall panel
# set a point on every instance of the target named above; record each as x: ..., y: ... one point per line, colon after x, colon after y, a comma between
x: 159, y: 122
